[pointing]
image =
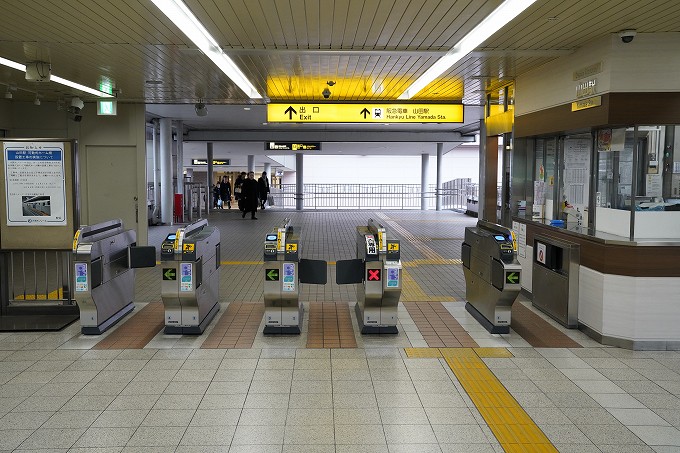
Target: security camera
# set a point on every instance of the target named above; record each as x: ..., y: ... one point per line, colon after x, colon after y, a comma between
x: 326, y: 93
x: 201, y: 109
x: 76, y: 102
x: 627, y: 35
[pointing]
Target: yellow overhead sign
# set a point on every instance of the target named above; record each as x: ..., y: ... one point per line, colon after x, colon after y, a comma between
x: 364, y: 113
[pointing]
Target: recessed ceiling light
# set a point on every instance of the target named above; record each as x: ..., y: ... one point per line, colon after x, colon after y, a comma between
x: 246, y: 108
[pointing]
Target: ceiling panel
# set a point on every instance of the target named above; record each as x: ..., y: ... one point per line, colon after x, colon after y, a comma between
x: 371, y: 49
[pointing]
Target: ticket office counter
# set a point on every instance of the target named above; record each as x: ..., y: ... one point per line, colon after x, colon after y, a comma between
x: 627, y: 289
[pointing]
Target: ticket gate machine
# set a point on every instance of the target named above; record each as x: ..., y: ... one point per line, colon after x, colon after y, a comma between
x: 105, y: 258
x: 190, y: 268
x: 492, y: 275
x: 283, y: 273
x: 377, y: 270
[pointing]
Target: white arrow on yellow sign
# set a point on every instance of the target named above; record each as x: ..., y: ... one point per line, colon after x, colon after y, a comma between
x: 364, y: 113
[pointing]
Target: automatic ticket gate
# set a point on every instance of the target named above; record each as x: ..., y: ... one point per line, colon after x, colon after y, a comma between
x: 283, y: 273
x: 492, y: 275
x: 377, y: 270
x: 105, y: 258
x: 190, y: 268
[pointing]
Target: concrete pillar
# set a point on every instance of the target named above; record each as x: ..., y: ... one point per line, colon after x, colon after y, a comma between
x: 251, y: 163
x: 440, y: 155
x: 425, y: 163
x: 166, y: 171
x: 299, y: 188
x: 268, y: 169
x: 488, y: 175
x: 208, y: 190
x: 179, y: 133
x: 155, y: 149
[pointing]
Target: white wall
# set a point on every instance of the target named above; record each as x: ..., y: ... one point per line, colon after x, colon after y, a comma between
x: 462, y: 162
x: 651, y: 63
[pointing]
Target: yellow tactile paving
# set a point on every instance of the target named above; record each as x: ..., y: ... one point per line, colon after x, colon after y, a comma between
x: 422, y: 353
x: 493, y: 352
x: 511, y: 425
x: 419, y: 262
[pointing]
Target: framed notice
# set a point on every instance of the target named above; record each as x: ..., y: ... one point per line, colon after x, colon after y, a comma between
x: 38, y: 199
x: 35, y: 184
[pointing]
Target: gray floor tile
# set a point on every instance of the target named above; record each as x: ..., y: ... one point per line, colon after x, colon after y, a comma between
x: 71, y: 419
x: 413, y: 448
x: 55, y: 438
x: 449, y: 416
x: 356, y: 416
x: 609, y: 434
x: 215, y: 417
x: 168, y: 417
x: 311, y: 401
x: 23, y: 420
x: 409, y: 434
x: 229, y: 401
x: 657, y: 435
x: 459, y: 434
x: 105, y: 437
x: 309, y: 435
x: 309, y: 416
x: 12, y: 438
x: 121, y: 418
x: 255, y: 435
x: 208, y: 435
x: 359, y: 434
x: 640, y: 417
x: 263, y: 417
x: 154, y: 436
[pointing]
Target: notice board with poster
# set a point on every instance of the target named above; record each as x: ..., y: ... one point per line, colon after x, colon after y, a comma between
x: 37, y: 195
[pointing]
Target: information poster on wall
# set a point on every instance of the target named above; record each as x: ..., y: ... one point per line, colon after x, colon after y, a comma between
x: 576, y: 170
x: 35, y: 184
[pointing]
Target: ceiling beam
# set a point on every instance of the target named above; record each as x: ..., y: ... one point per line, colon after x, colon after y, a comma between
x: 324, y: 136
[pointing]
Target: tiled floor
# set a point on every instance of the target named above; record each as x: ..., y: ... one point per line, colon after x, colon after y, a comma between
x: 58, y: 393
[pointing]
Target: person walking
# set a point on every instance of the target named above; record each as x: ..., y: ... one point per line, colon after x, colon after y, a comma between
x: 249, y: 194
x: 263, y: 187
x: 225, y: 192
x: 238, y: 189
x: 216, y: 195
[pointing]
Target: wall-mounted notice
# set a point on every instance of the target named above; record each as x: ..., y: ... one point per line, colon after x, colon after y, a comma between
x: 576, y: 171
x: 35, y: 185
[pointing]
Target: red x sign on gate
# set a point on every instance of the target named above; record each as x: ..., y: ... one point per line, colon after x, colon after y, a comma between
x: 373, y: 275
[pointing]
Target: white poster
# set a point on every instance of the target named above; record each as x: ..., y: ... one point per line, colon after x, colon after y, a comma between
x: 576, y: 171
x: 654, y: 186
x: 35, y: 185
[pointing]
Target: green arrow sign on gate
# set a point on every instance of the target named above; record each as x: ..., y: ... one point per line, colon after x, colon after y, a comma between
x: 169, y: 273
x: 271, y: 275
x: 512, y: 277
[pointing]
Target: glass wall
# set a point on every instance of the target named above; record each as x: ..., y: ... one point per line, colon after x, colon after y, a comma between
x: 638, y: 182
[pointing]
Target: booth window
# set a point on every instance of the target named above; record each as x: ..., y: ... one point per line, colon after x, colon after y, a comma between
x: 638, y: 182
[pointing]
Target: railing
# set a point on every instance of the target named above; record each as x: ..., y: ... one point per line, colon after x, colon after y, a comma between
x: 39, y: 277
x: 371, y: 196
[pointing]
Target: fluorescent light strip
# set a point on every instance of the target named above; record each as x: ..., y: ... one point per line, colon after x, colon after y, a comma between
x: 53, y: 78
x: 500, y: 17
x: 184, y: 19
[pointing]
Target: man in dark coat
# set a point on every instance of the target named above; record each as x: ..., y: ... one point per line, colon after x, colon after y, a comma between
x: 263, y: 184
x: 249, y: 194
x: 225, y: 192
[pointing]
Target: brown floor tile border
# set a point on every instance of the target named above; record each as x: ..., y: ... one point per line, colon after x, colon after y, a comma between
x: 237, y: 328
x: 537, y: 331
x: 438, y: 327
x: 138, y: 331
x: 330, y: 326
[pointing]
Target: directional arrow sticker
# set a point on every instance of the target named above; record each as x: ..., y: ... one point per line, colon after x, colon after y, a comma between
x: 512, y: 278
x: 169, y: 273
x: 271, y: 275
x: 365, y: 112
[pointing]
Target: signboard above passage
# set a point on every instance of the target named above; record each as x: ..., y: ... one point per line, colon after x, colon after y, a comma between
x: 215, y: 162
x: 364, y: 113
x: 290, y: 146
